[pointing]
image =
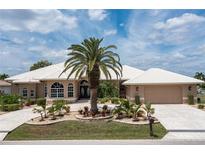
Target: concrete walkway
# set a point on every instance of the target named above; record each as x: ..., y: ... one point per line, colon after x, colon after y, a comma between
x: 182, y: 121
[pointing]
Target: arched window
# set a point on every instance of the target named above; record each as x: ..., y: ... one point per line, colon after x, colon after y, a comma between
x: 70, y: 90
x: 57, y: 90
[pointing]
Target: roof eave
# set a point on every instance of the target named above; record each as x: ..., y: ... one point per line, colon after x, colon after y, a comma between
x: 164, y: 83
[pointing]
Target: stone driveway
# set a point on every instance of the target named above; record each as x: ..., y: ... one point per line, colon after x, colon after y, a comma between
x: 182, y: 121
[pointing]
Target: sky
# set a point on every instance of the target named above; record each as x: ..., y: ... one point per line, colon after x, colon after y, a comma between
x: 169, y: 39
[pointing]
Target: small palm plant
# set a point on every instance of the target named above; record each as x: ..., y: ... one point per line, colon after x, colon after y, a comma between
x: 91, y: 58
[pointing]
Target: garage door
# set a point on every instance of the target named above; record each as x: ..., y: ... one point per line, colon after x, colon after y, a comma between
x: 163, y: 94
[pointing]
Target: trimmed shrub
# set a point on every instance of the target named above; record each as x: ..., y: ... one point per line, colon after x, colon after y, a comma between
x: 10, y: 99
x: 137, y: 100
x: 200, y: 106
x: 10, y: 107
x: 190, y: 99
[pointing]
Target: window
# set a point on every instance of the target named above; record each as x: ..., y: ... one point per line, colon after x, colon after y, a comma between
x: 70, y: 90
x: 45, y: 91
x: 189, y: 88
x: 32, y: 93
x: 24, y: 92
x: 57, y: 90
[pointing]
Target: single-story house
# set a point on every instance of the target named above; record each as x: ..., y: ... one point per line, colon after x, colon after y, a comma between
x: 5, y: 87
x: 153, y: 85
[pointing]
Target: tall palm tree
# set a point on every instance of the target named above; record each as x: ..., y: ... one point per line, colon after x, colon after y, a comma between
x: 91, y: 58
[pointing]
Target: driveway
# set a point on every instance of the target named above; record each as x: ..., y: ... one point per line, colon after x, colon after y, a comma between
x: 10, y: 121
x: 182, y: 121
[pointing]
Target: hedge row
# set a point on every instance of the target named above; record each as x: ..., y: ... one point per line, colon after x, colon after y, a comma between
x: 10, y: 107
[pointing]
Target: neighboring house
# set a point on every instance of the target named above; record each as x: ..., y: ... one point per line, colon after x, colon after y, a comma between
x: 153, y: 85
x: 5, y: 87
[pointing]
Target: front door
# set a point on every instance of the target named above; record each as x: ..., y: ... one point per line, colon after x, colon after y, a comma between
x: 84, y: 89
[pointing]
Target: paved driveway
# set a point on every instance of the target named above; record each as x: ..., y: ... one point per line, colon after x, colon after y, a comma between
x: 182, y: 121
x: 12, y: 120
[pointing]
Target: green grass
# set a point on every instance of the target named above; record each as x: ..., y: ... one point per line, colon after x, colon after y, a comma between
x: 78, y: 130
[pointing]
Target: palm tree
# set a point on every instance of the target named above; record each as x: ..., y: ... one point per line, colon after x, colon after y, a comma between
x: 91, y: 58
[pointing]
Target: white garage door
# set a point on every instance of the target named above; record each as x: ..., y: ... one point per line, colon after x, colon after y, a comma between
x: 163, y: 94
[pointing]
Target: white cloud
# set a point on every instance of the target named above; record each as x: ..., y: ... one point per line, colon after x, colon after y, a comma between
x: 97, y: 14
x: 110, y: 32
x: 186, y: 18
x: 48, y: 53
x: 178, y: 55
x: 42, y: 21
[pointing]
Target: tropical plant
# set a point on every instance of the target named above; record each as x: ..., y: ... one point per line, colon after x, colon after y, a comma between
x: 40, y: 64
x: 51, y: 111
x: 66, y: 108
x: 91, y: 58
x: 107, y: 89
x: 86, y: 111
x: 40, y: 111
x: 119, y: 111
x: 200, y: 106
x: 135, y: 110
x: 59, y: 105
x: 41, y: 102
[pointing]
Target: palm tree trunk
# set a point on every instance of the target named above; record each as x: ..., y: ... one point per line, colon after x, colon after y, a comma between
x: 94, y: 77
x: 93, y: 100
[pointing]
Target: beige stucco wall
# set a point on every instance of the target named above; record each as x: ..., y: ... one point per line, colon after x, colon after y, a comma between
x: 18, y: 88
x: 65, y: 84
x: 131, y: 91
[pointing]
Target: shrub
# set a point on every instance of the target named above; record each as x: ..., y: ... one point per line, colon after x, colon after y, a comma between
x: 10, y: 107
x: 41, y: 102
x: 107, y: 89
x: 105, y: 107
x: 190, y: 99
x: 115, y: 100
x: 137, y: 100
x: 86, y: 111
x: 103, y: 100
x: 200, y: 106
x: 80, y: 111
x: 10, y: 99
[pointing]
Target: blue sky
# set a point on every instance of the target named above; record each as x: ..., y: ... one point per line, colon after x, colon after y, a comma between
x: 168, y: 39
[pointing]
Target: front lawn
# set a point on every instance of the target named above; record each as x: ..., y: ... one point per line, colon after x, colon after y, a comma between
x: 79, y: 130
